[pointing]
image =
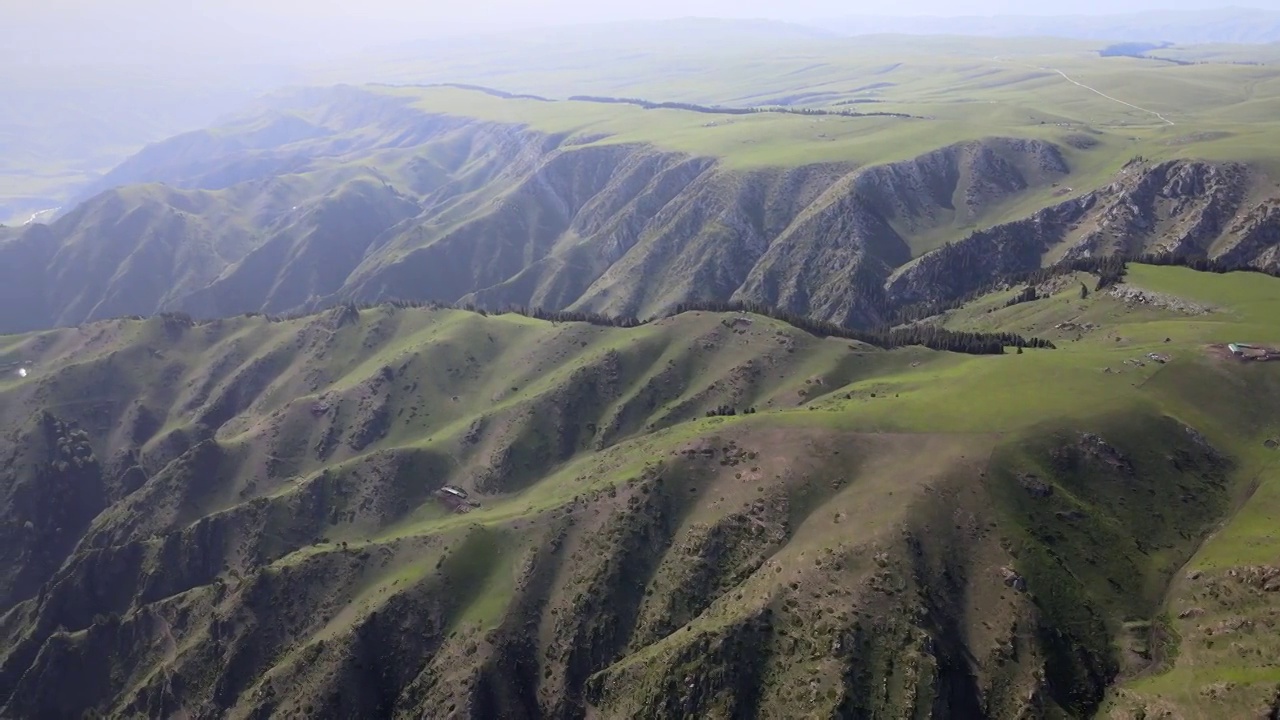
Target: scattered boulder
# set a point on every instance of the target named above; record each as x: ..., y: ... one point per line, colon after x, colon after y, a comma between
x: 1197, y: 437
x: 472, y: 435
x: 1218, y: 691
x: 1013, y: 579
x: 1230, y: 626
x: 1262, y: 577
x: 1099, y: 450
x: 1137, y: 296
x: 1191, y: 613
x: 1035, y: 486
x: 1272, y: 443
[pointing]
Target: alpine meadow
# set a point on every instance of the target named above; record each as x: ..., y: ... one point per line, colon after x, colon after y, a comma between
x: 652, y: 367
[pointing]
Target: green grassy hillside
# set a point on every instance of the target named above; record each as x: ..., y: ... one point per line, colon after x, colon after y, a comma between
x: 1219, y: 599
x: 907, y: 533
x: 967, y: 86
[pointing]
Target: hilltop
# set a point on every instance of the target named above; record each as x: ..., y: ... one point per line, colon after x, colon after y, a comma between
x: 869, y: 532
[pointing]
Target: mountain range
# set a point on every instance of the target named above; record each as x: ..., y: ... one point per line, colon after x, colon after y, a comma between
x: 284, y: 212
x: 923, y: 379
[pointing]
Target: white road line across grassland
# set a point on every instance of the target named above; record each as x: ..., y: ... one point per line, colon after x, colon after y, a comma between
x: 1094, y: 90
x: 1069, y: 79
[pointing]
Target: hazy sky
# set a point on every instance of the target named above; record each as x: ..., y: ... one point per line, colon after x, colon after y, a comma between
x: 134, y: 30
x: 562, y: 11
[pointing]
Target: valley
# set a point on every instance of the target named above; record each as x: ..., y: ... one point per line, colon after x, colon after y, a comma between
x: 691, y: 369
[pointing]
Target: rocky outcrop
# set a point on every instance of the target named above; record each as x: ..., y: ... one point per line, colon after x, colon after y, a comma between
x: 1183, y: 208
x: 1136, y: 296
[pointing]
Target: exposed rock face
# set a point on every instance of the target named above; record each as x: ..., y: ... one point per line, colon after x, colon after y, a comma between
x: 1035, y: 486
x: 1137, y: 296
x: 1176, y: 207
x: 1183, y: 207
x: 51, y: 487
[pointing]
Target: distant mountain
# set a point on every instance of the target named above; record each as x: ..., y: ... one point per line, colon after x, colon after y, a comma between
x: 63, y: 126
x: 1229, y: 25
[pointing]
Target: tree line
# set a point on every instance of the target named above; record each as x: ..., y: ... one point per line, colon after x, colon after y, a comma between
x: 1110, y: 270
x: 932, y: 337
x: 721, y: 110
x: 1204, y: 264
x: 1027, y: 295
x: 729, y: 411
x: 478, y: 88
x: 901, y: 330
x: 651, y: 105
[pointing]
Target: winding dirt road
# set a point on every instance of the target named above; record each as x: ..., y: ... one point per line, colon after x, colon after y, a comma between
x: 1091, y: 89
x: 1073, y: 81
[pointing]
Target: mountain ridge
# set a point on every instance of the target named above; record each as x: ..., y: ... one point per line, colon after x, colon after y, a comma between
x: 498, y: 215
x: 262, y: 494
x: 576, y: 198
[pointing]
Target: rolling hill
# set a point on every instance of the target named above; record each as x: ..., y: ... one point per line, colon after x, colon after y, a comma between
x: 612, y: 383
x: 244, y: 515
x: 1189, y: 26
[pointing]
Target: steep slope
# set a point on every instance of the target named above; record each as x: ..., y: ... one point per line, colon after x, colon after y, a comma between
x: 352, y: 194
x: 1202, y: 655
x: 1220, y: 211
x: 785, y: 235
x: 126, y: 252
x: 901, y: 533
x: 307, y: 254
x: 357, y: 194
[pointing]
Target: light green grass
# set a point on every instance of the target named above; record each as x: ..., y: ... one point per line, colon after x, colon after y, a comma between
x: 968, y: 88
x: 967, y: 403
